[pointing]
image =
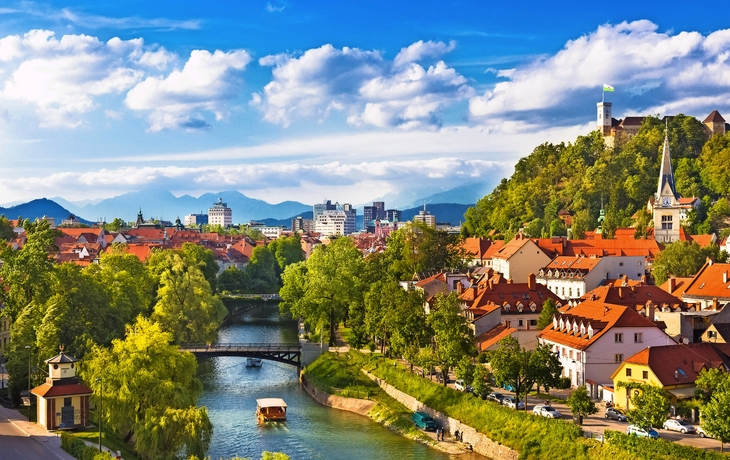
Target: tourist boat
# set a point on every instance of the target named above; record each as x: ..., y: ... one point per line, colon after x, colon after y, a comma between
x: 254, y: 362
x: 271, y: 409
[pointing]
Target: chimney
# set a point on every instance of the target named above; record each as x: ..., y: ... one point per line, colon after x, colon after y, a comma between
x: 531, y: 282
x: 620, y: 292
x: 491, y: 284
x: 650, y: 310
x: 724, y: 277
x: 714, y: 303
x: 672, y: 284
x: 509, y: 281
x: 459, y: 288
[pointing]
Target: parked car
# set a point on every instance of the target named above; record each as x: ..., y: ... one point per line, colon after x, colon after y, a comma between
x: 459, y: 385
x: 496, y: 397
x: 546, y: 411
x: 702, y: 433
x: 616, y: 414
x: 508, y: 387
x: 642, y: 433
x: 678, y: 425
x: 424, y: 421
x: 511, y: 402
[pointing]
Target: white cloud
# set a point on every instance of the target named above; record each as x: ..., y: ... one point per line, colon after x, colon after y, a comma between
x: 207, y: 82
x: 274, y: 8
x: 368, y: 88
x: 61, y: 78
x: 663, y: 68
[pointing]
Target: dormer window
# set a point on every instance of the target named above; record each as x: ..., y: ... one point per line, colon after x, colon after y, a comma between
x: 533, y: 307
x: 507, y: 307
x: 582, y: 329
x: 590, y: 331
x: 555, y: 323
x: 575, y: 328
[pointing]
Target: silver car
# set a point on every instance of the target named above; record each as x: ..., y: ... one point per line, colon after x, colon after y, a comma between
x: 546, y: 411
x: 678, y: 425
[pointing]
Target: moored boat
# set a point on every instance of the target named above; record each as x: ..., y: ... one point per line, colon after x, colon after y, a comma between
x: 271, y: 409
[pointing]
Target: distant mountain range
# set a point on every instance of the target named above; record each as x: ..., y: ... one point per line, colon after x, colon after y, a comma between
x: 163, y: 205
x: 39, y: 208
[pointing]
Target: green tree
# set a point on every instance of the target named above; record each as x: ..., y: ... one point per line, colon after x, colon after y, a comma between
x: 464, y: 370
x: 233, y: 280
x: 115, y: 225
x: 549, y: 310
x: 580, y: 402
x: 649, y: 405
x: 716, y: 417
x: 324, y: 288
x: 7, y: 232
x: 25, y: 274
x: 452, y: 338
x: 481, y: 381
x: 150, y: 392
x: 205, y: 260
x: 186, y: 307
x: 261, y: 270
x: 287, y: 250
x: 678, y: 259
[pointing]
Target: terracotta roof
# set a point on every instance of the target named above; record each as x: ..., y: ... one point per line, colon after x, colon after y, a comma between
x: 497, y: 292
x: 682, y: 363
x: 702, y: 240
x: 680, y: 284
x: 511, y: 248
x: 493, y: 336
x: 630, y: 296
x: 51, y: 391
x: 714, y: 117
x: 713, y: 280
x: 633, y: 121
x: 477, y: 248
x: 600, y: 316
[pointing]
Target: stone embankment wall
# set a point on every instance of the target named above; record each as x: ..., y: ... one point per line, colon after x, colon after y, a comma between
x: 479, y: 442
x: 359, y: 406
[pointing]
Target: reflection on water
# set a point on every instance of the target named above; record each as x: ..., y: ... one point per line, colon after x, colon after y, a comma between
x: 311, y: 431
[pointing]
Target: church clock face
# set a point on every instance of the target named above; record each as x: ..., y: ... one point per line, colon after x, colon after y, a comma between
x: 666, y: 201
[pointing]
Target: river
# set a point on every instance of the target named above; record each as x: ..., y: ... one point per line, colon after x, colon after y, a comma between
x: 312, y: 431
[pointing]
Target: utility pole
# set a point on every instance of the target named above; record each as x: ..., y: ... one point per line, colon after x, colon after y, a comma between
x: 27, y: 347
x: 101, y: 402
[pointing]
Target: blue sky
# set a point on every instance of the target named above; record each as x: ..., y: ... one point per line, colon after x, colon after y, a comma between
x: 349, y: 101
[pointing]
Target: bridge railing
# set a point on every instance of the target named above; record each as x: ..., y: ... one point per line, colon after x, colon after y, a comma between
x: 241, y: 346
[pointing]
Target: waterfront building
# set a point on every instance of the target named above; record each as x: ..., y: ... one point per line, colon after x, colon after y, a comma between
x: 220, y: 214
x: 63, y: 401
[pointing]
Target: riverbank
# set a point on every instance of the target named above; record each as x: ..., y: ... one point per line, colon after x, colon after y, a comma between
x: 334, y: 373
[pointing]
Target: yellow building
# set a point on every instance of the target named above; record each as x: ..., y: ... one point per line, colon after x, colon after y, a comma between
x: 63, y: 401
x: 673, y: 368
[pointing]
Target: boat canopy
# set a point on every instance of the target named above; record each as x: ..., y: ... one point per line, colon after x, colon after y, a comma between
x: 271, y: 402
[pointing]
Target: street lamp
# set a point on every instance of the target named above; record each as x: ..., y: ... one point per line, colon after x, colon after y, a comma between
x: 27, y: 347
x: 101, y: 401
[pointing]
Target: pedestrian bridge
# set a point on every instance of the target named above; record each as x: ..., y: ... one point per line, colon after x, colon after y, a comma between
x: 288, y: 353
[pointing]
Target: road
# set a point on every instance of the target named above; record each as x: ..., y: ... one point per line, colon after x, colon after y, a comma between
x: 21, y: 440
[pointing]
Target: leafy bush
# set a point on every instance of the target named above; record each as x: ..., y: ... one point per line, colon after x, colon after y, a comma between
x: 659, y: 449
x: 78, y: 449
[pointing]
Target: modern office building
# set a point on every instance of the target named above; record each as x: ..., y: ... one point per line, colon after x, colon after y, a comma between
x: 220, y: 214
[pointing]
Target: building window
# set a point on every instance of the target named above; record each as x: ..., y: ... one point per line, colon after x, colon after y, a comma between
x: 645, y: 375
x: 620, y: 264
x: 638, y: 337
x: 66, y: 402
x: 666, y: 222
x: 533, y: 322
x: 619, y: 338
x: 563, y: 291
x: 570, y: 354
x: 628, y: 372
x: 618, y: 358
x: 520, y: 323
x: 570, y: 292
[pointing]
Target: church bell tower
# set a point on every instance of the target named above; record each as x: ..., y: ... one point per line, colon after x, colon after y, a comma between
x: 666, y: 200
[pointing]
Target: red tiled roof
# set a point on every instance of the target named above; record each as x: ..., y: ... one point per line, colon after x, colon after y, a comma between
x: 713, y: 280
x: 631, y: 295
x: 493, y: 336
x: 680, y: 284
x: 51, y: 391
x: 600, y: 315
x: 682, y: 363
x: 714, y: 117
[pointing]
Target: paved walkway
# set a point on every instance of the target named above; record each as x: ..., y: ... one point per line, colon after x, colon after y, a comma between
x: 51, y: 441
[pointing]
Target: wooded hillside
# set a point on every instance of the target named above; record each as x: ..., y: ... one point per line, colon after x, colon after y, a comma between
x: 579, y: 176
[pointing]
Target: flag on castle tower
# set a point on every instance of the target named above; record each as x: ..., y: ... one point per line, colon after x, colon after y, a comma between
x: 608, y: 88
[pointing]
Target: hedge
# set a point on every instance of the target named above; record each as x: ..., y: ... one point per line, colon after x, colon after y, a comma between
x: 659, y: 449
x: 78, y: 449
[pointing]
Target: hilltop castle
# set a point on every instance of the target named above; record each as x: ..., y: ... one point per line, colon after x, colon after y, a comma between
x: 629, y: 126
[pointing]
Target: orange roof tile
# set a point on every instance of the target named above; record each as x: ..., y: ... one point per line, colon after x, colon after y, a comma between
x: 682, y: 363
x: 713, y: 280
x: 493, y: 336
x: 601, y: 316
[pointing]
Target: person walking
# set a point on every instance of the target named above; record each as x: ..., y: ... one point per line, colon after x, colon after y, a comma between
x: 456, y: 435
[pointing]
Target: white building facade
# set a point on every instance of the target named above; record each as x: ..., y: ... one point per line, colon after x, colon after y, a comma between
x: 571, y: 277
x: 220, y: 214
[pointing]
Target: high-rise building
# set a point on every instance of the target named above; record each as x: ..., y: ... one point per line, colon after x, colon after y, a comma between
x: 220, y: 214
x: 380, y: 206
x: 393, y: 215
x: 351, y: 221
x: 425, y: 217
x: 300, y: 224
x: 338, y: 221
x: 318, y: 208
x: 193, y: 220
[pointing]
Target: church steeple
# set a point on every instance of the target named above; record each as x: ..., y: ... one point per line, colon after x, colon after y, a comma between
x: 665, y: 187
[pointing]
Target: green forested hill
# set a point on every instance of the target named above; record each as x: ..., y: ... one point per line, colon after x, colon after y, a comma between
x: 579, y: 176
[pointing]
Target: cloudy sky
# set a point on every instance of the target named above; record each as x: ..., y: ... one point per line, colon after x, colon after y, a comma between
x: 328, y: 99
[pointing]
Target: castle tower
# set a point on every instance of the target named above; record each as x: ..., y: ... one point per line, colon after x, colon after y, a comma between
x: 666, y: 200
x: 603, y: 122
